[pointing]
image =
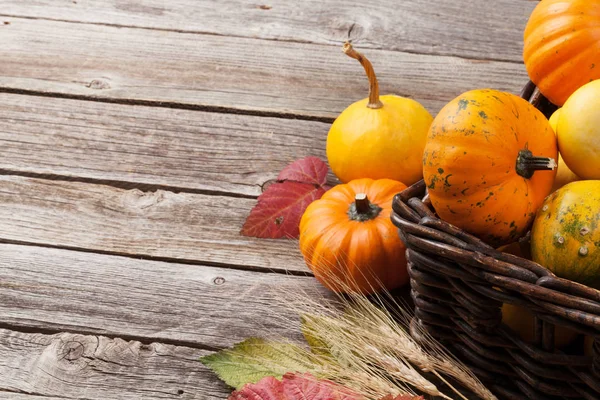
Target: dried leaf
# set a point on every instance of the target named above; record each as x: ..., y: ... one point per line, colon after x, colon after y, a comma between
x: 279, y: 209
x: 294, y: 387
x: 317, y: 345
x: 254, y: 359
x: 402, y: 397
x: 307, y: 170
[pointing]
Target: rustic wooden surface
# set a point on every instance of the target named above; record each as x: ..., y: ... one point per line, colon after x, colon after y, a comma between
x: 223, y: 72
x: 101, y: 367
x: 136, y: 136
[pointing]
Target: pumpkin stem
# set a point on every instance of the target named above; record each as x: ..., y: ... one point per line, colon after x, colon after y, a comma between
x: 374, y: 101
x: 362, y: 209
x: 362, y: 203
x: 527, y: 164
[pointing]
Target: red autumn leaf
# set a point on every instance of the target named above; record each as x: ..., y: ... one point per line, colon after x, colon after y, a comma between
x: 294, y: 387
x: 280, y: 207
x: 307, y: 170
x: 279, y: 210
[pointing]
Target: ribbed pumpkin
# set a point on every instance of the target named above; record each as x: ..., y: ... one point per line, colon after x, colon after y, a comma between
x: 565, y: 237
x: 562, y: 46
x: 488, y: 164
x: 349, y: 241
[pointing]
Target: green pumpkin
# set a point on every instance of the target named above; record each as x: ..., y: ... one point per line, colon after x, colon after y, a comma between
x: 565, y: 237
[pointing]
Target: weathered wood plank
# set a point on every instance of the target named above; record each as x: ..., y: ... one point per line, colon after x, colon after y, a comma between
x: 183, y: 226
x: 181, y: 149
x: 23, y: 396
x: 197, y: 306
x: 76, y: 366
x: 125, y: 64
x: 466, y: 28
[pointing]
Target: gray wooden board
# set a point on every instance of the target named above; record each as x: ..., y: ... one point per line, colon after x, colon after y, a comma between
x: 141, y: 145
x: 190, y: 227
x: 466, y: 28
x: 6, y: 395
x: 78, y: 366
x: 196, y: 306
x: 311, y: 80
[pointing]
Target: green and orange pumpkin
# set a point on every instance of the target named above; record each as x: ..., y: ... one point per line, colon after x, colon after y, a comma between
x: 489, y: 163
x: 565, y: 237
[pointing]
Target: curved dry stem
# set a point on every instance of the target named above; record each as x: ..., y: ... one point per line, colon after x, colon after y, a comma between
x: 374, y: 101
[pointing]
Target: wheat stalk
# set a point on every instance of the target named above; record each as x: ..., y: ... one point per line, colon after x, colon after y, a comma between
x: 370, y: 335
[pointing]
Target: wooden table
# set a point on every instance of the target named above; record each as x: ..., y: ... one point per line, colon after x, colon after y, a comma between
x: 135, y: 137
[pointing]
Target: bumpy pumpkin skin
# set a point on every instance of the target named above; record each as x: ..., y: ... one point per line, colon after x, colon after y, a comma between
x: 562, y: 46
x: 379, y: 143
x: 470, y: 160
x: 363, y: 256
x: 565, y: 237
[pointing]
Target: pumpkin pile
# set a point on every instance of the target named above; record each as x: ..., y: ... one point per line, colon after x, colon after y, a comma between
x: 494, y: 166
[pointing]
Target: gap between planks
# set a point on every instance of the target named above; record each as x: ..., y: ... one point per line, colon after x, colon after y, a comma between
x: 167, y: 104
x: 182, y: 261
x: 43, y: 330
x: 127, y: 185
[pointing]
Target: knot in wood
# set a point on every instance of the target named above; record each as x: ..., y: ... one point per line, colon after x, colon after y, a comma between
x: 219, y: 280
x: 136, y: 199
x: 72, y: 350
x: 98, y: 84
x: 348, y: 27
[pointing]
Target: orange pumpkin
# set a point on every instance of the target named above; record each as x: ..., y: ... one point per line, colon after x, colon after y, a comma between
x: 489, y: 163
x: 562, y: 46
x: 349, y: 241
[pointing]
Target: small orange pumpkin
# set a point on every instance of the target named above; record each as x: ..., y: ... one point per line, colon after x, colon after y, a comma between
x: 562, y: 46
x: 349, y: 241
x: 484, y: 164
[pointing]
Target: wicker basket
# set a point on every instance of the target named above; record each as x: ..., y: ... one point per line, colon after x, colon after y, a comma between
x: 459, y: 283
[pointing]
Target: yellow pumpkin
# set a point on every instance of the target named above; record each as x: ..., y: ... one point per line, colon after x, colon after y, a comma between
x: 378, y: 137
x: 348, y: 240
x: 563, y: 174
x: 578, y: 131
x: 565, y: 237
x: 488, y: 164
x: 522, y: 321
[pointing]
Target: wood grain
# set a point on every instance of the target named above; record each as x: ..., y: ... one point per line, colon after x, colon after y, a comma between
x: 160, y: 147
x: 249, y: 75
x: 76, y: 366
x: 465, y: 28
x: 59, y: 290
x: 176, y: 226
